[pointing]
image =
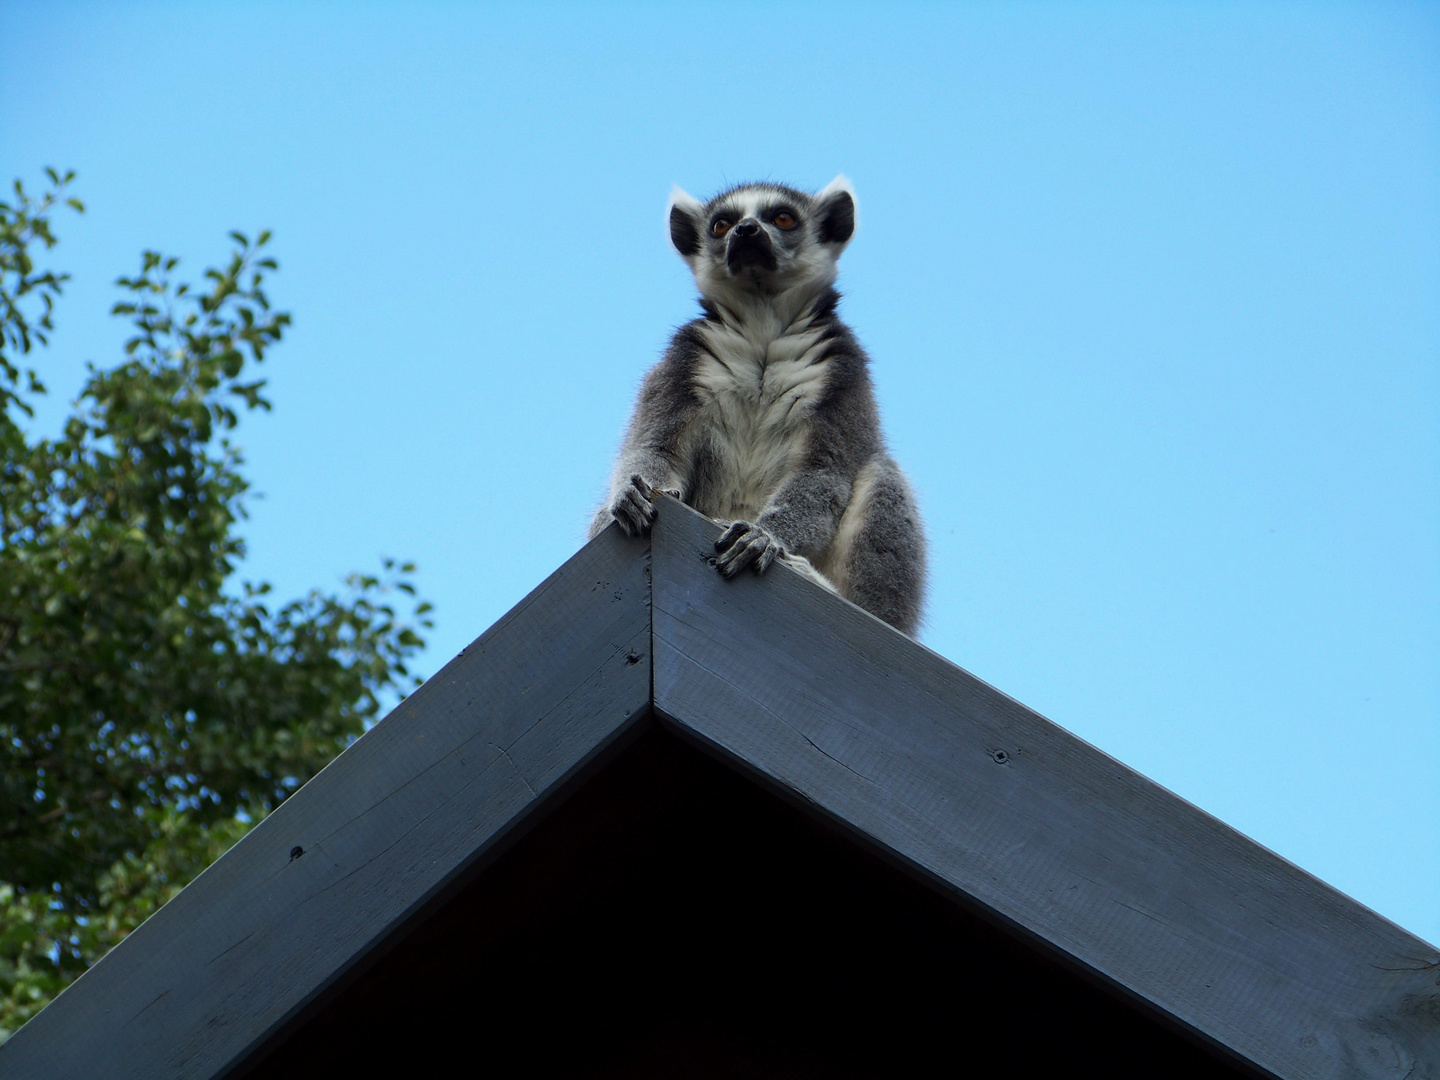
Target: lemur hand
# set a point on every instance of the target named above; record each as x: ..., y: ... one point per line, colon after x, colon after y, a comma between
x: 742, y: 545
x: 634, y: 507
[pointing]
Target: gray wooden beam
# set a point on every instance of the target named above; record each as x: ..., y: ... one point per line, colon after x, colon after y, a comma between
x: 319, y: 884
x: 1042, y: 830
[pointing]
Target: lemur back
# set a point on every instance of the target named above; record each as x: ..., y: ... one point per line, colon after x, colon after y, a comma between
x: 761, y: 412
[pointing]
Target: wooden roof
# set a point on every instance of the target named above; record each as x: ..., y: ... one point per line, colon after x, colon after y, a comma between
x: 1057, y: 848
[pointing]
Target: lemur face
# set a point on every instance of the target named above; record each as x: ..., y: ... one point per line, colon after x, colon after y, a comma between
x: 763, y: 238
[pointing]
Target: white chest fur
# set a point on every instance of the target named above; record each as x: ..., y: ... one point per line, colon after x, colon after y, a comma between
x: 758, y: 384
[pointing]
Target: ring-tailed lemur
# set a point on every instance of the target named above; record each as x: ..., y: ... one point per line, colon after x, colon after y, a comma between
x: 761, y: 412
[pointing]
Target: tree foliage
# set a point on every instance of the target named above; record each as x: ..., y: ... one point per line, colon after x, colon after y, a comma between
x: 150, y: 709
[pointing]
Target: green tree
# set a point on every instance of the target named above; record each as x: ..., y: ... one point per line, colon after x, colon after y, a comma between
x: 151, y: 710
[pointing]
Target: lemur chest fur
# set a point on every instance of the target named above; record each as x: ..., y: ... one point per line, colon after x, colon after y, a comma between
x: 757, y: 382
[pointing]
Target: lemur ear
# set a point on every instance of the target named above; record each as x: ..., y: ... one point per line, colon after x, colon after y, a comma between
x: 835, y: 211
x: 684, y: 213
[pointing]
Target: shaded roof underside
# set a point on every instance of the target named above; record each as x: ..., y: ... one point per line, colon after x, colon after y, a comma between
x: 674, y: 918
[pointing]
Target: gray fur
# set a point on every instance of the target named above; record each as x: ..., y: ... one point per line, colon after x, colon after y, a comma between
x: 761, y: 412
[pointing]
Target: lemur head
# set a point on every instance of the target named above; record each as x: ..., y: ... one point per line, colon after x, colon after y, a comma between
x: 763, y: 239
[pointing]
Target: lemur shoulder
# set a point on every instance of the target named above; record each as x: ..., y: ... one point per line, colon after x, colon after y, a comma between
x: 761, y: 412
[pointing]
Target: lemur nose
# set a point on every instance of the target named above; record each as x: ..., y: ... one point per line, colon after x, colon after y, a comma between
x: 748, y: 227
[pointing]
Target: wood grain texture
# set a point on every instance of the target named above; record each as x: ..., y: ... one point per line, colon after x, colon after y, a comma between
x: 382, y: 829
x: 1042, y: 830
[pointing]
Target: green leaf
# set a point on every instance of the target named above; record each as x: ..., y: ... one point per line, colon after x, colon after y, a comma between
x: 159, y: 707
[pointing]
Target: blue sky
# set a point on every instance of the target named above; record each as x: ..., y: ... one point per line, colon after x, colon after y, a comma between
x: 1152, y: 294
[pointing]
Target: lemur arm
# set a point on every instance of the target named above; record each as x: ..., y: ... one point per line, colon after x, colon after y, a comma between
x: 802, y: 516
x: 652, y: 456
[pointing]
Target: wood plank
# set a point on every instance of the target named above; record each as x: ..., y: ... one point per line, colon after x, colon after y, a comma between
x: 383, y: 828
x: 1045, y: 832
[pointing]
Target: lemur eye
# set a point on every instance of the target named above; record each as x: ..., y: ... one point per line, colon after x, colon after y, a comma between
x: 785, y: 220
x: 720, y: 226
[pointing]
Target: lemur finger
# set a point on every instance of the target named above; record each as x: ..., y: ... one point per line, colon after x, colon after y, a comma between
x: 745, y: 553
x: 627, y: 522
x: 735, y: 540
x: 636, y: 498
x: 643, y: 493
x: 734, y: 565
x: 736, y: 530
x: 732, y: 559
x: 763, y: 547
x: 633, y: 512
x: 767, y: 557
x: 627, y: 506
